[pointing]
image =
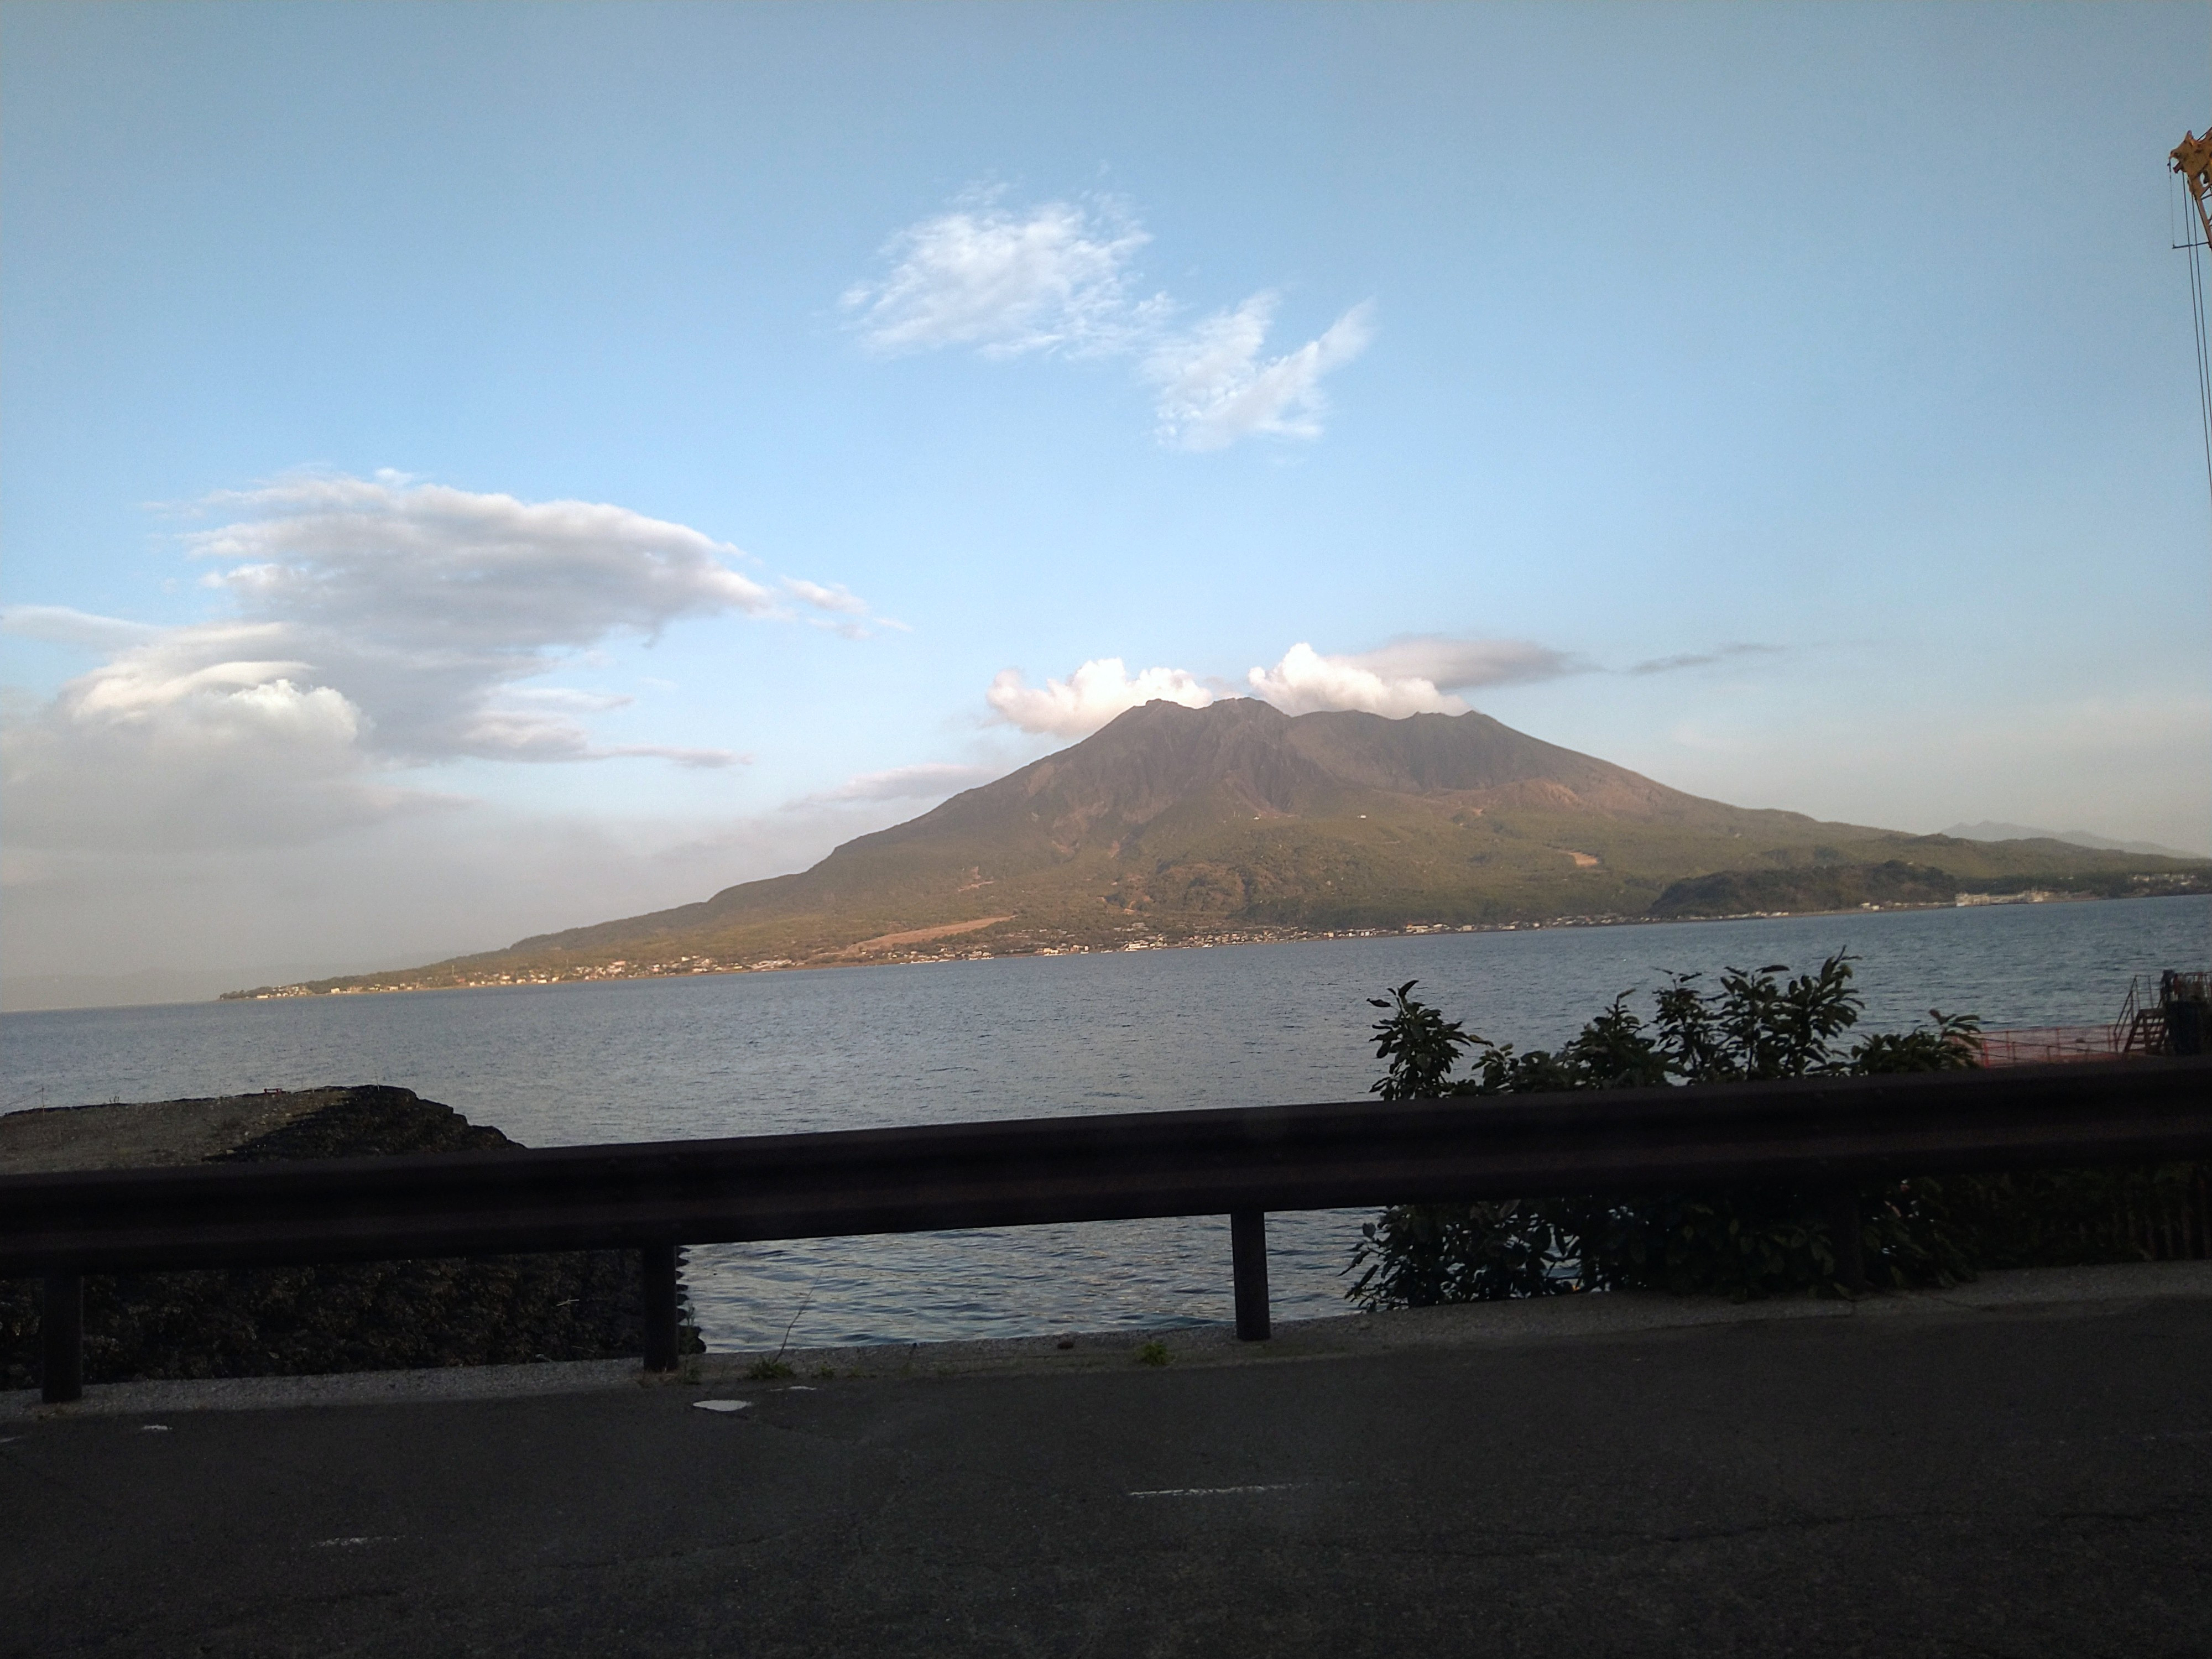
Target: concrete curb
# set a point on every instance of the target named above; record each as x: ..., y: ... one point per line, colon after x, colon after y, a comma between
x: 2025, y: 1292
x: 1487, y: 1324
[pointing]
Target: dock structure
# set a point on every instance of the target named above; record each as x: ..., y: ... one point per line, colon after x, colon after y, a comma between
x: 2161, y: 1016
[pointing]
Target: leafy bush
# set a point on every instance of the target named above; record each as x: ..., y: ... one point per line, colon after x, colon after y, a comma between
x: 1750, y: 1026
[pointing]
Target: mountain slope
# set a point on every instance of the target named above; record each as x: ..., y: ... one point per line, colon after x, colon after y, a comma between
x: 1175, y: 823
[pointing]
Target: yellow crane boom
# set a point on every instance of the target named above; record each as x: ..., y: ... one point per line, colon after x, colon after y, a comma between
x: 2192, y: 159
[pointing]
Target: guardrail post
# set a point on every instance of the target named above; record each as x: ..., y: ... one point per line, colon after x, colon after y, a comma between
x: 1847, y: 1239
x: 659, y: 1307
x: 61, y: 1339
x: 1248, y: 1257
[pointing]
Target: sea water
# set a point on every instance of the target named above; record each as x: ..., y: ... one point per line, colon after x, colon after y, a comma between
x: 860, y: 1048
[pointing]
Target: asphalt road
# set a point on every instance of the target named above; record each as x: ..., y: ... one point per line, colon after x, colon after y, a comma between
x: 2030, y: 1480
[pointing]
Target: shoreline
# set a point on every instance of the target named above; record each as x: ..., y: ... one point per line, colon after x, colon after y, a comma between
x: 710, y: 968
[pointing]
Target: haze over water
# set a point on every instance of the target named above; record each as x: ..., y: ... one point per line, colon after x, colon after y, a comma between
x: 756, y: 1054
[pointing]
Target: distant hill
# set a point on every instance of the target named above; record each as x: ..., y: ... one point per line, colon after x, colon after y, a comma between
x: 1238, y: 821
x: 1990, y: 830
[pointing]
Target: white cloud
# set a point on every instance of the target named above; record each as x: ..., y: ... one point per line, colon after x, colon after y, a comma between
x: 1214, y: 388
x: 1702, y: 659
x: 1452, y: 665
x: 426, y: 605
x: 1093, y: 695
x: 847, y: 613
x: 1058, y: 278
x: 1410, y: 676
x: 230, y: 755
x: 835, y: 596
x: 432, y: 568
x: 57, y: 624
x: 563, y: 697
x: 928, y: 781
x: 376, y: 623
x: 1305, y: 682
x: 674, y: 754
x: 1005, y: 283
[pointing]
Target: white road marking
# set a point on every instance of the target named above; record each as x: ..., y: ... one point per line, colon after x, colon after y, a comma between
x: 722, y: 1405
x: 1215, y: 1492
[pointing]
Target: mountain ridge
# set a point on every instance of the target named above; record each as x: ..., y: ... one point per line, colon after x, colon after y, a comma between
x: 1990, y: 829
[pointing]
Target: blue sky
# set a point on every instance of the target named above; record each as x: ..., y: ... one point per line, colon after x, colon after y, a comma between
x: 467, y: 470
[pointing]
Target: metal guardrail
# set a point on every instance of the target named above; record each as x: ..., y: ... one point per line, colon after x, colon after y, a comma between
x: 1828, y: 1133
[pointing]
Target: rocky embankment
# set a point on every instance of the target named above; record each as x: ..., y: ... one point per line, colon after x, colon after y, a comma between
x: 278, y: 1321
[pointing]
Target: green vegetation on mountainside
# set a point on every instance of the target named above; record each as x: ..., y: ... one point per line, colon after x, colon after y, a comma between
x: 1174, y: 824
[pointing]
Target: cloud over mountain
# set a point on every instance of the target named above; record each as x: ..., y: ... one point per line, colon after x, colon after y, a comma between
x: 1093, y: 695
x: 1305, y: 682
x: 1409, y: 676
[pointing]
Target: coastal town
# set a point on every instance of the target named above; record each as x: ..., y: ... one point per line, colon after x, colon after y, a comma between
x: 677, y: 966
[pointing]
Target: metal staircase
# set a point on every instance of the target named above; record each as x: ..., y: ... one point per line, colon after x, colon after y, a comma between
x: 2140, y: 1028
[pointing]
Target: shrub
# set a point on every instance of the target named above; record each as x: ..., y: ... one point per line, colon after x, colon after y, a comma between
x: 1741, y: 1244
